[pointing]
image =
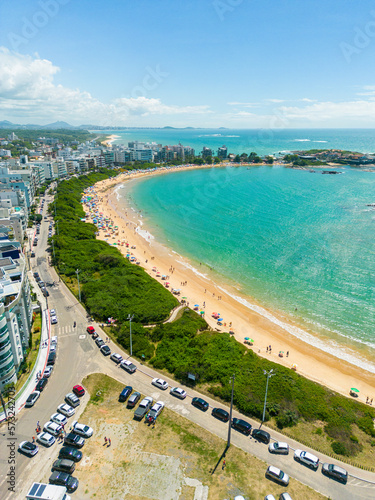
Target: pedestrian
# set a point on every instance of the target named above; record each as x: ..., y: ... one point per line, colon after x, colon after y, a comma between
x: 109, y: 441
x: 287, y: 353
x: 105, y: 440
x: 224, y: 464
x: 33, y: 439
x: 267, y: 349
x: 38, y: 424
x: 367, y: 400
x: 371, y: 402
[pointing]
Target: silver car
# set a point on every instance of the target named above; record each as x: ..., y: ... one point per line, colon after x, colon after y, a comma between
x: 279, y: 448
x: 306, y: 458
x: 45, y: 439
x: 277, y: 475
x: 66, y: 410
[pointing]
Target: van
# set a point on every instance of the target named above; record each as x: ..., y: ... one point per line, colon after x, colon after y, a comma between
x: 125, y: 393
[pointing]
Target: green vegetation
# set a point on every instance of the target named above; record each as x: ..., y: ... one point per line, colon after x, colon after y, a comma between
x: 300, y: 162
x: 110, y: 285
x: 113, y: 287
x: 65, y: 136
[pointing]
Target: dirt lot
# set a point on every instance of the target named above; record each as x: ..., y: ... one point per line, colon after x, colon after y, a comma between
x: 173, y: 460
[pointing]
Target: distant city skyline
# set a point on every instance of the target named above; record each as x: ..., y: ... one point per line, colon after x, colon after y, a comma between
x: 217, y: 63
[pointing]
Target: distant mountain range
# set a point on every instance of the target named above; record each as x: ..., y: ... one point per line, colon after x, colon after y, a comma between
x: 66, y: 126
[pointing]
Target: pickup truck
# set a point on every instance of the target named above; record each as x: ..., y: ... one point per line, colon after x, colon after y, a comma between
x: 143, y: 408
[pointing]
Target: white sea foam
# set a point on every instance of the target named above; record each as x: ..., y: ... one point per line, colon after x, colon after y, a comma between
x: 195, y: 271
x: 301, y: 140
x: 319, y: 141
x: 145, y: 234
x: 330, y: 346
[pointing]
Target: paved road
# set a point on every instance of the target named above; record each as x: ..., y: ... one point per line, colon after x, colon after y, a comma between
x: 78, y: 356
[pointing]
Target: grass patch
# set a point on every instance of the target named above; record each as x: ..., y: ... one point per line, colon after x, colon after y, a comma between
x: 32, y: 352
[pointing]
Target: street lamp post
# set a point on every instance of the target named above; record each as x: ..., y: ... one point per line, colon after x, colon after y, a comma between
x: 79, y: 288
x: 230, y: 414
x: 268, y: 375
x: 130, y: 327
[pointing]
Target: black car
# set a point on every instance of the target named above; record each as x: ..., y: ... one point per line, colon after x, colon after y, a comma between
x: 51, y: 358
x: 64, y: 465
x: 200, y: 403
x: 241, y: 426
x: 36, y: 274
x: 261, y: 435
x: 105, y: 350
x: 45, y: 291
x: 32, y: 254
x: 41, y: 384
x: 73, y: 439
x: 125, y: 393
x: 64, y: 479
x: 220, y: 414
x: 70, y: 453
x: 133, y: 400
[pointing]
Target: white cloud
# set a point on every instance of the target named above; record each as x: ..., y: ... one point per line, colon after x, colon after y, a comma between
x: 276, y: 101
x: 244, y: 104
x: 351, y: 110
x: 27, y: 90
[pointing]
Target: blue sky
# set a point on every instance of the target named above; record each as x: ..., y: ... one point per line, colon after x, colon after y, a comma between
x: 232, y: 63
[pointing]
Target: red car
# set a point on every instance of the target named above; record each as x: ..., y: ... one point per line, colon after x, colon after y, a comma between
x: 78, y: 390
x: 90, y: 330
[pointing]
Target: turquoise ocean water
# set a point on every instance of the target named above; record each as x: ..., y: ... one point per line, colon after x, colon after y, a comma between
x: 299, y: 243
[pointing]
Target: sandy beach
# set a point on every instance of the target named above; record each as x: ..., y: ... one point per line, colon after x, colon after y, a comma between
x: 199, y: 289
x: 108, y: 141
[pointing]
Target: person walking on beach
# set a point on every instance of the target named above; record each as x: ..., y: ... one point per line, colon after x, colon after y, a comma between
x: 109, y: 441
x: 224, y: 465
x: 105, y: 440
x: 287, y: 354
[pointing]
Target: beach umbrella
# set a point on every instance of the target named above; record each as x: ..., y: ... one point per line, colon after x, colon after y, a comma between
x: 354, y: 389
x: 251, y: 340
x: 201, y: 312
x: 220, y: 319
x: 196, y: 305
x: 177, y: 291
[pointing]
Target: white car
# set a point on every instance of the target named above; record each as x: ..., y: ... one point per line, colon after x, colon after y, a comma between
x: 28, y: 448
x: 82, y: 430
x: 160, y: 383
x: 30, y: 401
x: 52, y: 348
x: 53, y: 320
x: 117, y: 358
x: 306, y: 458
x: 279, y: 448
x: 59, y: 419
x: 155, y: 411
x: 66, y: 410
x: 52, y: 312
x: 52, y: 428
x: 47, y: 372
x: 45, y: 439
x: 178, y: 392
x: 128, y: 366
x: 54, y: 340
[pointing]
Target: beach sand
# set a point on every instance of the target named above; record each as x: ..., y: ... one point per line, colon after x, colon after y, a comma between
x: 311, y: 362
x: 108, y: 141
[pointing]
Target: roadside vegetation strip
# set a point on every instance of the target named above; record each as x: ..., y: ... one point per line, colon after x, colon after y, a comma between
x: 173, y: 450
x: 113, y: 287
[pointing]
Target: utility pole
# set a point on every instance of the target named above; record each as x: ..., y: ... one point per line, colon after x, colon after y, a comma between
x: 79, y: 288
x: 230, y: 414
x: 268, y: 375
x: 4, y: 407
x: 130, y: 327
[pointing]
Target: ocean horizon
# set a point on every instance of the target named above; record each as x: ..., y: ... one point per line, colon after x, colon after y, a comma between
x: 295, y: 242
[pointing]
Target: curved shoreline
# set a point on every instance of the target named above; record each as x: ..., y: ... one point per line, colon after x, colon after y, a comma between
x: 314, y: 363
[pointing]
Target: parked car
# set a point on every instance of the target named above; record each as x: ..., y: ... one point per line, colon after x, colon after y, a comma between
x: 335, y: 472
x: 128, y: 366
x: 82, y: 430
x: 178, y: 392
x: 41, y: 384
x: 133, y: 399
x: 72, y: 400
x: 79, y: 390
x: 51, y: 358
x: 125, y: 393
x: 31, y: 400
x: 28, y: 448
x: 200, y: 403
x: 52, y: 312
x: 160, y: 383
x: 45, y: 292
x: 64, y: 479
x: 54, y: 340
x: 143, y: 408
x: 285, y: 496
x: 36, y: 274
x: 306, y: 458
x: 32, y: 254
x: 99, y: 342
x: 279, y: 448
x: 241, y: 426
x: 73, y: 439
x: 220, y: 414
x: 70, y: 453
x: 47, y: 372
x: 52, y: 428
x: 105, y: 350
x: 53, y: 320
x: 46, y: 439
x: 117, y: 358
x: 90, y: 330
x: 261, y: 435
x: 66, y: 410
x: 95, y: 335
x: 155, y: 411
x: 277, y: 475
x: 59, y: 419
x: 269, y: 497
x: 64, y: 465
x: 52, y: 348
